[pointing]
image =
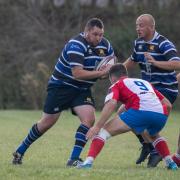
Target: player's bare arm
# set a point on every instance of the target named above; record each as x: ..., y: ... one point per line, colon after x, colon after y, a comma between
x: 79, y: 73
x: 129, y: 64
x: 167, y: 65
x: 106, y: 113
x: 167, y: 103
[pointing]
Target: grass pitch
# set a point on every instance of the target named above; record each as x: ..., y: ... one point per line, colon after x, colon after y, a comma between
x: 46, y: 159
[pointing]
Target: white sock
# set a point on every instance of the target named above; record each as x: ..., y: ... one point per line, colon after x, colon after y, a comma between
x: 89, y: 160
x: 104, y: 134
x: 168, y: 160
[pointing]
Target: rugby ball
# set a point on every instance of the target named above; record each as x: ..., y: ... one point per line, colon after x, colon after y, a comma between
x: 105, y: 61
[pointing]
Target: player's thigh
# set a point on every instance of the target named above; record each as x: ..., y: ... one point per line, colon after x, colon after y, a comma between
x: 83, y: 107
x: 116, y: 126
x: 149, y: 138
x: 86, y: 114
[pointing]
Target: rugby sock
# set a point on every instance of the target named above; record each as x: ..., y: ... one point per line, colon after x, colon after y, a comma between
x: 96, y: 146
x: 176, y: 158
x: 152, y: 149
x: 98, y: 143
x: 161, y: 147
x: 141, y: 140
x: 89, y: 160
x: 147, y: 145
x: 80, y: 141
x: 33, y: 135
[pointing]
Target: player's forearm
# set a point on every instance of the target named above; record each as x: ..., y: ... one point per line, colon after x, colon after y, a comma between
x: 167, y: 103
x: 129, y: 64
x: 167, y: 65
x: 82, y: 74
x: 106, y: 114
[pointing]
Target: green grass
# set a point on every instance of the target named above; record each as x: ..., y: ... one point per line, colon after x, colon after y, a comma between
x: 46, y: 159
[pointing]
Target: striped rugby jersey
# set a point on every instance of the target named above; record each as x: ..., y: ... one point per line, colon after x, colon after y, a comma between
x: 78, y: 52
x: 161, y: 49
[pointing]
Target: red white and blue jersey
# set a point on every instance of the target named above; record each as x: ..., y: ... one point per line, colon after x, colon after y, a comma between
x: 137, y: 94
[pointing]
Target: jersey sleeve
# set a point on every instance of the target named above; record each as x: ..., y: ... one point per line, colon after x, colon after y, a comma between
x: 169, y: 50
x: 110, y: 50
x: 75, y: 53
x: 112, y: 94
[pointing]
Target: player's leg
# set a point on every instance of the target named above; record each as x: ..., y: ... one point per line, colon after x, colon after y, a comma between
x: 156, y: 123
x: 54, y: 104
x: 86, y: 114
x: 37, y: 130
x: 112, y: 128
x: 162, y: 148
x: 154, y: 157
x: 176, y: 156
x: 148, y: 150
x: 145, y: 149
x: 83, y: 107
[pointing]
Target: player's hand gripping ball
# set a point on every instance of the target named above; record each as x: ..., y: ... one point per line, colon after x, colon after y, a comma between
x: 108, y: 60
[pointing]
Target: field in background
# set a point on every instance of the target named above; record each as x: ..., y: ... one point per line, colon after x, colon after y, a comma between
x: 46, y: 159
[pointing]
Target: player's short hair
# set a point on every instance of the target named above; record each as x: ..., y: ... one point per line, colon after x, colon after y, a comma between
x: 118, y: 70
x: 94, y: 22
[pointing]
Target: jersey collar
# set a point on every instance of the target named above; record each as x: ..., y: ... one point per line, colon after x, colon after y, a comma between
x: 154, y: 37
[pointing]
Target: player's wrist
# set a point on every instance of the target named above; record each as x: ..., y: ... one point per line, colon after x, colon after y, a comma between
x: 101, y: 74
x: 98, y: 126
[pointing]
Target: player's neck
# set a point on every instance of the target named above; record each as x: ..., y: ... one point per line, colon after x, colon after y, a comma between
x: 149, y: 37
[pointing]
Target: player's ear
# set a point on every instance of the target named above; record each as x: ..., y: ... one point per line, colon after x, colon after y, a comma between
x: 86, y: 32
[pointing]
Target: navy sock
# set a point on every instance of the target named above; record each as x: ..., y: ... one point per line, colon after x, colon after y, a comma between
x: 80, y: 141
x: 32, y: 136
x: 140, y: 138
x: 152, y: 149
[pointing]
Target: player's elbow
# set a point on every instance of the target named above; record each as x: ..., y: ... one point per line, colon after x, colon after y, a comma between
x: 167, y: 103
x: 77, y: 76
x: 76, y: 72
x: 174, y: 65
x: 169, y: 107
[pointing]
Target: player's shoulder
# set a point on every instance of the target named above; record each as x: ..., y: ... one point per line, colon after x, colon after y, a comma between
x: 80, y: 38
x: 78, y: 41
x: 105, y: 42
x: 165, y: 43
x: 160, y: 39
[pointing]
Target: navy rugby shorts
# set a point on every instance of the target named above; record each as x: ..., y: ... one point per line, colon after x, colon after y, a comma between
x: 63, y: 97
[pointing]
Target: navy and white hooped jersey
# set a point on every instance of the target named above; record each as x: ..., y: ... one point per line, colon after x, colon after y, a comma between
x: 161, y: 49
x: 78, y: 52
